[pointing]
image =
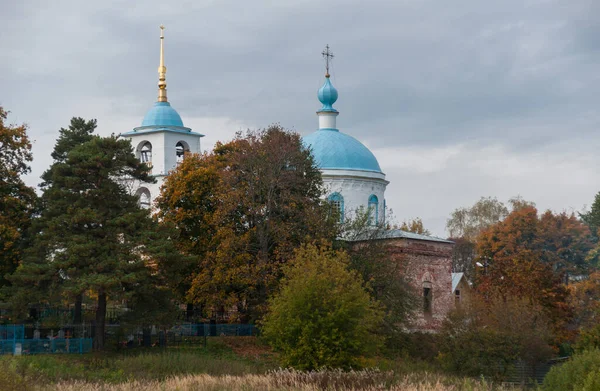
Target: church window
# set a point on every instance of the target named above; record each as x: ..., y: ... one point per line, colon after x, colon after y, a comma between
x: 373, y: 210
x: 457, y: 297
x: 146, y: 153
x: 337, y: 202
x: 427, y: 298
x: 181, y: 149
x: 143, y: 198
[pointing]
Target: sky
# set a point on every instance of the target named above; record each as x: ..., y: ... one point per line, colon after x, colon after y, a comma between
x: 457, y: 100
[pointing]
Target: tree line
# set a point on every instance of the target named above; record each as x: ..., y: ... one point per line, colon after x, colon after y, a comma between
x: 243, y: 230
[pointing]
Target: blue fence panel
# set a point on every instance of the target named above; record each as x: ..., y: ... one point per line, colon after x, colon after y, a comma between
x: 12, y: 331
x: 7, y: 346
x: 48, y: 346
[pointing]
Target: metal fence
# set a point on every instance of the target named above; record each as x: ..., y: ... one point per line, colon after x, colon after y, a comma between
x: 46, y: 346
x: 213, y: 330
x: 12, y: 331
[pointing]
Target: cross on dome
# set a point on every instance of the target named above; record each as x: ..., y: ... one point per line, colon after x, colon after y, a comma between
x: 328, y: 56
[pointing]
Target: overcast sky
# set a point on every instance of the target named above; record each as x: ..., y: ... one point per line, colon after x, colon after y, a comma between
x: 457, y: 99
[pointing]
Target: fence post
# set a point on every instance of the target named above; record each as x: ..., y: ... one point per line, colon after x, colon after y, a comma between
x: 80, y: 345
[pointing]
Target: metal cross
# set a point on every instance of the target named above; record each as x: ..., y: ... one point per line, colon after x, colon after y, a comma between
x: 328, y: 55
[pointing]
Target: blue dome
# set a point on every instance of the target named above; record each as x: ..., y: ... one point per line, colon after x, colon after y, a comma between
x: 335, y: 150
x: 328, y: 95
x: 162, y: 114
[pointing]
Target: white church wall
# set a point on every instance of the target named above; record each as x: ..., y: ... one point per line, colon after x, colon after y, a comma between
x: 356, y: 192
x: 190, y: 141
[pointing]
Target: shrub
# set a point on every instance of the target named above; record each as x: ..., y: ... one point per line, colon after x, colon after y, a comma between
x: 589, y: 339
x: 488, y: 338
x: 322, y: 317
x: 581, y: 373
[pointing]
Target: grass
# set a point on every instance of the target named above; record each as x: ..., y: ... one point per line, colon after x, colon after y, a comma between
x: 225, y: 364
x: 367, y: 380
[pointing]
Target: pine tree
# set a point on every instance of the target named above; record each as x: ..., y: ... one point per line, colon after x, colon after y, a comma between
x: 93, y: 236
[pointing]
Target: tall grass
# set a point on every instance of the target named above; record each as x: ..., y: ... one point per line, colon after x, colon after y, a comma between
x: 287, y: 380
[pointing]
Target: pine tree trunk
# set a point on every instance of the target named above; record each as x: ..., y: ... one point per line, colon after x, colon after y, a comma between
x: 77, y: 316
x: 100, y: 321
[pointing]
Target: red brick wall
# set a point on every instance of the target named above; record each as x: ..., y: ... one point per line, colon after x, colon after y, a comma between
x: 424, y: 261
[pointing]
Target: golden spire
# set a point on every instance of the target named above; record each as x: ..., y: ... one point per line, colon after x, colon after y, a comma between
x: 162, y: 70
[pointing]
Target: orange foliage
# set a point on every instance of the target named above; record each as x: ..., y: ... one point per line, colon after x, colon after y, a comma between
x: 527, y: 256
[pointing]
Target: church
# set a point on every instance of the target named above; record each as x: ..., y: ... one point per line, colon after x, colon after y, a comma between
x: 352, y: 177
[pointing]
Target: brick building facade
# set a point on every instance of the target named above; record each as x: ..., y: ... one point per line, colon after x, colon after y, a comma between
x: 427, y: 263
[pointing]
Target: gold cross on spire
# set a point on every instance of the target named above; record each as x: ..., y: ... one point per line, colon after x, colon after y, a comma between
x: 162, y: 70
x: 328, y: 55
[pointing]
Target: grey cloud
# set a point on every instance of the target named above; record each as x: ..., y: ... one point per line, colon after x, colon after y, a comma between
x: 411, y: 74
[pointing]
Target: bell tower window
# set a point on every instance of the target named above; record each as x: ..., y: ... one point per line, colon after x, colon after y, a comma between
x: 146, y: 153
x: 144, y: 199
x: 179, y: 151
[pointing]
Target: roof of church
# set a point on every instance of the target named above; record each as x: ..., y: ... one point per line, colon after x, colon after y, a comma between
x: 399, y: 234
x: 327, y: 96
x: 161, y: 117
x: 162, y: 114
x: 333, y: 149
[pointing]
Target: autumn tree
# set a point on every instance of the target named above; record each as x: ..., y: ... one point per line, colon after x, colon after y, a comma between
x: 414, y: 225
x: 242, y: 210
x: 466, y: 223
x: 93, y: 236
x: 17, y: 201
x: 322, y: 317
x: 527, y: 256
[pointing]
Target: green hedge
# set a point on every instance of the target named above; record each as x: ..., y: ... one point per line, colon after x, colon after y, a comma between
x: 581, y: 373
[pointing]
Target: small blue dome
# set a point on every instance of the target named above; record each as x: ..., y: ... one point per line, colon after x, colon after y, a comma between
x: 335, y: 150
x: 328, y: 95
x: 162, y: 114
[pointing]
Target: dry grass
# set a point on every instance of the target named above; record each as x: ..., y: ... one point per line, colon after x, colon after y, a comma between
x: 288, y: 380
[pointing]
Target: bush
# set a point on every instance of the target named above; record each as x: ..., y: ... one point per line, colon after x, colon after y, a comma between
x: 322, y: 317
x: 488, y: 338
x: 581, y: 373
x: 589, y: 339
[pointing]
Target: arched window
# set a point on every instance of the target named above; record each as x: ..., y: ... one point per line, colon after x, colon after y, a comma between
x: 181, y: 148
x: 146, y: 153
x: 373, y: 210
x: 144, y: 197
x: 337, y: 202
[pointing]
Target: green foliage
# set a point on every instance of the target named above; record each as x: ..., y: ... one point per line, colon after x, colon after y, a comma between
x: 92, y: 236
x: 323, y: 317
x: 589, y: 339
x: 216, y: 359
x: 592, y: 217
x: 580, y: 373
x: 471, y: 350
x: 486, y: 338
x: 383, y: 277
